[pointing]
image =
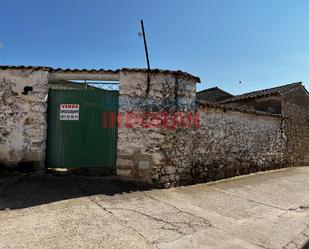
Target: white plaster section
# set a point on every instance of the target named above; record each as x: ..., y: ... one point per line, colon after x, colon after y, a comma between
x: 23, y: 117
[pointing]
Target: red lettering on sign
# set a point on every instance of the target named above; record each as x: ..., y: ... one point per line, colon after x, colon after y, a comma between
x: 69, y: 106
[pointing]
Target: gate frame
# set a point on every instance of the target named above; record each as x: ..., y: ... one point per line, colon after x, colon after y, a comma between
x: 63, y: 80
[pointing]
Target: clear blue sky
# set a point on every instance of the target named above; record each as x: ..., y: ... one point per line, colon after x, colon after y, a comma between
x: 263, y: 43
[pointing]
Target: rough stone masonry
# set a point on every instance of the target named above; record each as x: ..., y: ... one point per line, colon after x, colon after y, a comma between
x: 141, y: 151
x: 23, y: 117
x: 228, y: 142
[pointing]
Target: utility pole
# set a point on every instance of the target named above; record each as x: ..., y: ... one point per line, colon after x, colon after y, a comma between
x: 2, y: 52
x: 147, y: 57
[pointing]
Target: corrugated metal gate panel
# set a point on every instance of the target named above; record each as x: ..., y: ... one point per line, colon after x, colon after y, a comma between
x: 83, y: 142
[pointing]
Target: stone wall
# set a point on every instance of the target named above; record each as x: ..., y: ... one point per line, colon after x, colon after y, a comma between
x: 140, y: 149
x: 295, y: 107
x: 23, y: 117
x: 228, y: 144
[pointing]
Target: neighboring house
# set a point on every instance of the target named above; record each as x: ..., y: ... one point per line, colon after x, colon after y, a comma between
x: 290, y: 101
x: 213, y: 95
x: 270, y: 100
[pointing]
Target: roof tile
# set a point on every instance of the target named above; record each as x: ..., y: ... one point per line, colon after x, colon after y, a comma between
x: 232, y: 109
x: 50, y: 69
x: 261, y: 93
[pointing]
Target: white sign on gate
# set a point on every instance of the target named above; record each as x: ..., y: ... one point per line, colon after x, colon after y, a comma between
x: 69, y: 111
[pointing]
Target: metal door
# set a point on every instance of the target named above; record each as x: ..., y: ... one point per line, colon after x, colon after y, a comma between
x: 76, y: 137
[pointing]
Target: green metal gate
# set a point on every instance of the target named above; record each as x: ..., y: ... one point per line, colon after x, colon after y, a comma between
x: 76, y: 136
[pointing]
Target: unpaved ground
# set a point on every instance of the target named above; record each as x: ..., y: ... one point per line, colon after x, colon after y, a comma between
x: 263, y: 210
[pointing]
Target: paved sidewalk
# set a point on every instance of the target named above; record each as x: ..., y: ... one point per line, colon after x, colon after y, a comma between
x: 262, y: 210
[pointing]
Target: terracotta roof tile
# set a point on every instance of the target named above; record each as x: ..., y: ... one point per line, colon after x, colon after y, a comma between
x: 178, y: 72
x: 50, y: 69
x: 232, y: 109
x: 261, y: 93
x: 213, y: 95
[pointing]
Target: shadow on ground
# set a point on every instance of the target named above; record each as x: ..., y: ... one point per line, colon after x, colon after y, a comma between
x: 27, y: 191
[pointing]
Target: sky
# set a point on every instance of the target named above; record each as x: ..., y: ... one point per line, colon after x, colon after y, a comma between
x: 262, y: 43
